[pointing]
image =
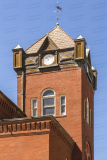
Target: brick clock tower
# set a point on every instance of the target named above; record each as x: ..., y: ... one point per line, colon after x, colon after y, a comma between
x: 55, y: 77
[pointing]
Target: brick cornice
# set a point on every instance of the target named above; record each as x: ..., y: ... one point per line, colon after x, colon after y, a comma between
x: 39, y: 125
x: 23, y: 125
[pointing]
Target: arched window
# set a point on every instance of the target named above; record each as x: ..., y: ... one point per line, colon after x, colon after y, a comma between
x: 48, y: 102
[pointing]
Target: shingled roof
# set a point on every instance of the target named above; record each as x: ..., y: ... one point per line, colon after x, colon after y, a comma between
x: 58, y: 36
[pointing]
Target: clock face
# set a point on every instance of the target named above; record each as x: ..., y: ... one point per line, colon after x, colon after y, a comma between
x: 48, y: 59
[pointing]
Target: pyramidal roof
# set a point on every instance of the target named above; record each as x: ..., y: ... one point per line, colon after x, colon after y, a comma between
x: 58, y: 36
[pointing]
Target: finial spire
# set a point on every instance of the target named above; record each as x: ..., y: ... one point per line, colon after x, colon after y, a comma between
x: 58, y: 9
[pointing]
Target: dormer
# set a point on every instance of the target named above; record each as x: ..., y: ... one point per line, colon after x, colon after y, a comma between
x: 48, y: 44
x: 88, y: 65
x: 91, y: 72
x: 94, y: 78
x: 88, y: 57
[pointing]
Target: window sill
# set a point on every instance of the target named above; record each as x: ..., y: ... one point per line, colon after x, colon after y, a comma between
x: 60, y: 116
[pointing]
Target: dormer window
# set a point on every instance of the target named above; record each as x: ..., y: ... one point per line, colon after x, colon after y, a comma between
x: 48, y: 102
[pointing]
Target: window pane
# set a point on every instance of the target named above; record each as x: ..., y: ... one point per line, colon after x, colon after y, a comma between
x: 49, y: 111
x: 48, y: 93
x: 34, y: 112
x: 62, y: 109
x: 62, y: 100
x: 48, y: 102
x: 34, y: 103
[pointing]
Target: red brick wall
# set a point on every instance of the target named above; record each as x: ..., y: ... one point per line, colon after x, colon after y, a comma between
x: 66, y: 81
x: 40, y: 140
x: 76, y: 153
x: 87, y: 131
x: 58, y: 150
x: 24, y: 147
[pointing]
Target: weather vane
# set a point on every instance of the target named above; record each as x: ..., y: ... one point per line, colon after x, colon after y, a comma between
x: 58, y: 9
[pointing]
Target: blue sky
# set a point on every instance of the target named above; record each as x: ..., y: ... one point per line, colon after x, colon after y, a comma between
x: 24, y: 22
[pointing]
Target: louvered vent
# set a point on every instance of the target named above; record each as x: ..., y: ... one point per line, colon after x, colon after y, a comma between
x: 17, y: 59
x: 80, y: 49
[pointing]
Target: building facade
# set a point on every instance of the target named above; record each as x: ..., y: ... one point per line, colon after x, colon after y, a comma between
x: 55, y: 91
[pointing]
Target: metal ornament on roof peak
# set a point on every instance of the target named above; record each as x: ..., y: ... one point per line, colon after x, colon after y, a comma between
x: 79, y: 37
x: 58, y: 9
x: 18, y: 46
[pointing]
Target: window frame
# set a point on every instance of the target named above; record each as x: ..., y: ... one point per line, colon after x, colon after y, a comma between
x: 62, y: 95
x: 85, y: 108
x: 45, y: 97
x: 32, y: 106
x: 87, y: 111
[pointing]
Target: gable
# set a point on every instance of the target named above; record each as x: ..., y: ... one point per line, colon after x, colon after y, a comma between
x: 48, y: 44
x: 8, y: 109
